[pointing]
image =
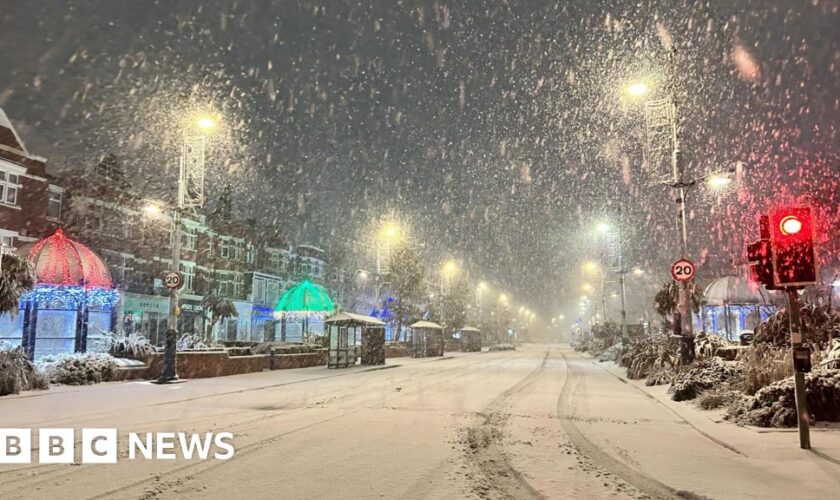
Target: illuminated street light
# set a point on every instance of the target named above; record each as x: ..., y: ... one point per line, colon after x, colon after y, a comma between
x: 591, y: 267
x: 637, y: 89
x: 390, y: 231
x: 206, y: 123
x: 450, y: 267
x: 586, y: 287
x: 638, y: 271
x: 602, y: 227
x: 719, y: 181
x: 152, y: 209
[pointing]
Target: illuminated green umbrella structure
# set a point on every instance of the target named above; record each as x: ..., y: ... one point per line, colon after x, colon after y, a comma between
x: 303, y: 302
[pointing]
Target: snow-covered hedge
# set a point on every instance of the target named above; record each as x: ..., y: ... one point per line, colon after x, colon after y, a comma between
x: 78, y: 369
x: 17, y: 373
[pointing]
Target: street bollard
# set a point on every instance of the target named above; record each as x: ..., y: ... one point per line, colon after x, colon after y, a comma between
x: 272, y: 359
x: 170, y: 358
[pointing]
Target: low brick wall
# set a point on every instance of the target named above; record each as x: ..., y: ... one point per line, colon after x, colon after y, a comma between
x: 396, y: 351
x: 219, y: 364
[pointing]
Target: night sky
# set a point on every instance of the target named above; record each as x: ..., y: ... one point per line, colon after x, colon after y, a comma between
x: 496, y: 130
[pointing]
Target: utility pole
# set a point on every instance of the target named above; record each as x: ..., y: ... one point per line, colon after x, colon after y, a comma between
x: 621, y: 272
x: 800, y: 354
x: 686, y: 325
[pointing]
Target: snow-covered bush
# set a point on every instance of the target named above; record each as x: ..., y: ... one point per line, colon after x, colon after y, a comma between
x: 775, y: 405
x: 762, y: 365
x: 17, y: 373
x: 651, y: 354
x: 706, y: 346
x: 612, y: 353
x: 593, y: 347
x: 131, y: 346
x: 700, y: 376
x: 831, y: 360
x: 718, y: 397
x: 78, y: 368
x: 820, y: 322
x: 194, y: 342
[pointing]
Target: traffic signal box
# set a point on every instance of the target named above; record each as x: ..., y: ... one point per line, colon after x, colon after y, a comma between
x: 785, y: 255
x: 760, y: 256
x: 792, y: 246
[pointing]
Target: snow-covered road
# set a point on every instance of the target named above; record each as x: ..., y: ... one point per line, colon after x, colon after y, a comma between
x: 543, y: 421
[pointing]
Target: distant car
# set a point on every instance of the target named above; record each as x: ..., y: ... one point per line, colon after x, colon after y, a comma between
x: 746, y: 337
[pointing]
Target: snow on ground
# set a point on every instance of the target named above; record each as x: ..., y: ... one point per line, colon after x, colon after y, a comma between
x: 542, y: 421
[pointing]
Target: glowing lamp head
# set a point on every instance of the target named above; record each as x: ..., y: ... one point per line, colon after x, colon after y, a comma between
x: 637, y: 89
x: 602, y: 227
x: 450, y: 267
x: 719, y: 181
x: 790, y: 225
x: 205, y: 123
x: 151, y: 209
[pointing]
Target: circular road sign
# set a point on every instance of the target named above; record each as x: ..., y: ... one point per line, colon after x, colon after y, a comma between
x: 173, y: 280
x: 683, y: 270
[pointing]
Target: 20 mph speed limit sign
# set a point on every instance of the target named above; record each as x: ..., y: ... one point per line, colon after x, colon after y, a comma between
x: 173, y: 280
x: 682, y: 270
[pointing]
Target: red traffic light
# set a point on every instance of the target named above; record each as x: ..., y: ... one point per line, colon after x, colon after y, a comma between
x: 793, y: 256
x: 790, y: 225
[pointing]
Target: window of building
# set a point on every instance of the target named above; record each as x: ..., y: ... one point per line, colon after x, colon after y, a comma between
x: 274, y: 261
x: 237, y: 252
x: 250, y: 253
x: 9, y: 186
x: 225, y: 249
x: 54, y: 205
x: 7, y: 241
x: 259, y: 291
x: 188, y: 269
x: 226, y: 288
x: 188, y: 240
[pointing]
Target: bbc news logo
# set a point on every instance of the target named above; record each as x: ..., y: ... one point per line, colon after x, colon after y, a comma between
x: 100, y: 446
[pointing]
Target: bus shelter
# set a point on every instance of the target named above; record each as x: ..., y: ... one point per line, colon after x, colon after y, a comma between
x: 426, y: 339
x: 346, y: 330
x: 470, y: 339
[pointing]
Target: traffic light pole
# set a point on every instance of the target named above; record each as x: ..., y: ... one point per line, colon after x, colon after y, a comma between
x: 803, y: 416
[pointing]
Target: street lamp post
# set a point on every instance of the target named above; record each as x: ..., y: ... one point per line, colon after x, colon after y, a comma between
x: 190, y: 195
x: 389, y: 232
x: 664, y: 112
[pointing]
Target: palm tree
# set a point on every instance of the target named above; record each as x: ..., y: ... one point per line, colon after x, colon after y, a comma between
x: 216, y: 309
x: 16, y: 278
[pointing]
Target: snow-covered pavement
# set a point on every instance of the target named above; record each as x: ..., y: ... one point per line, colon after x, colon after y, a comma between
x: 541, y: 421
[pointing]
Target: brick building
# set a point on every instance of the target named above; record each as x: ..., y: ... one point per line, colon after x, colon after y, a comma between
x: 30, y: 203
x: 232, y: 259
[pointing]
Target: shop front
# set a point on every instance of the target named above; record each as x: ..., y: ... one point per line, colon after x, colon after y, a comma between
x: 146, y: 315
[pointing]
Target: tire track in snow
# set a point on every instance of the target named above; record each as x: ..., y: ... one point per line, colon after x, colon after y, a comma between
x: 645, y: 483
x: 483, y: 446
x: 189, y: 471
